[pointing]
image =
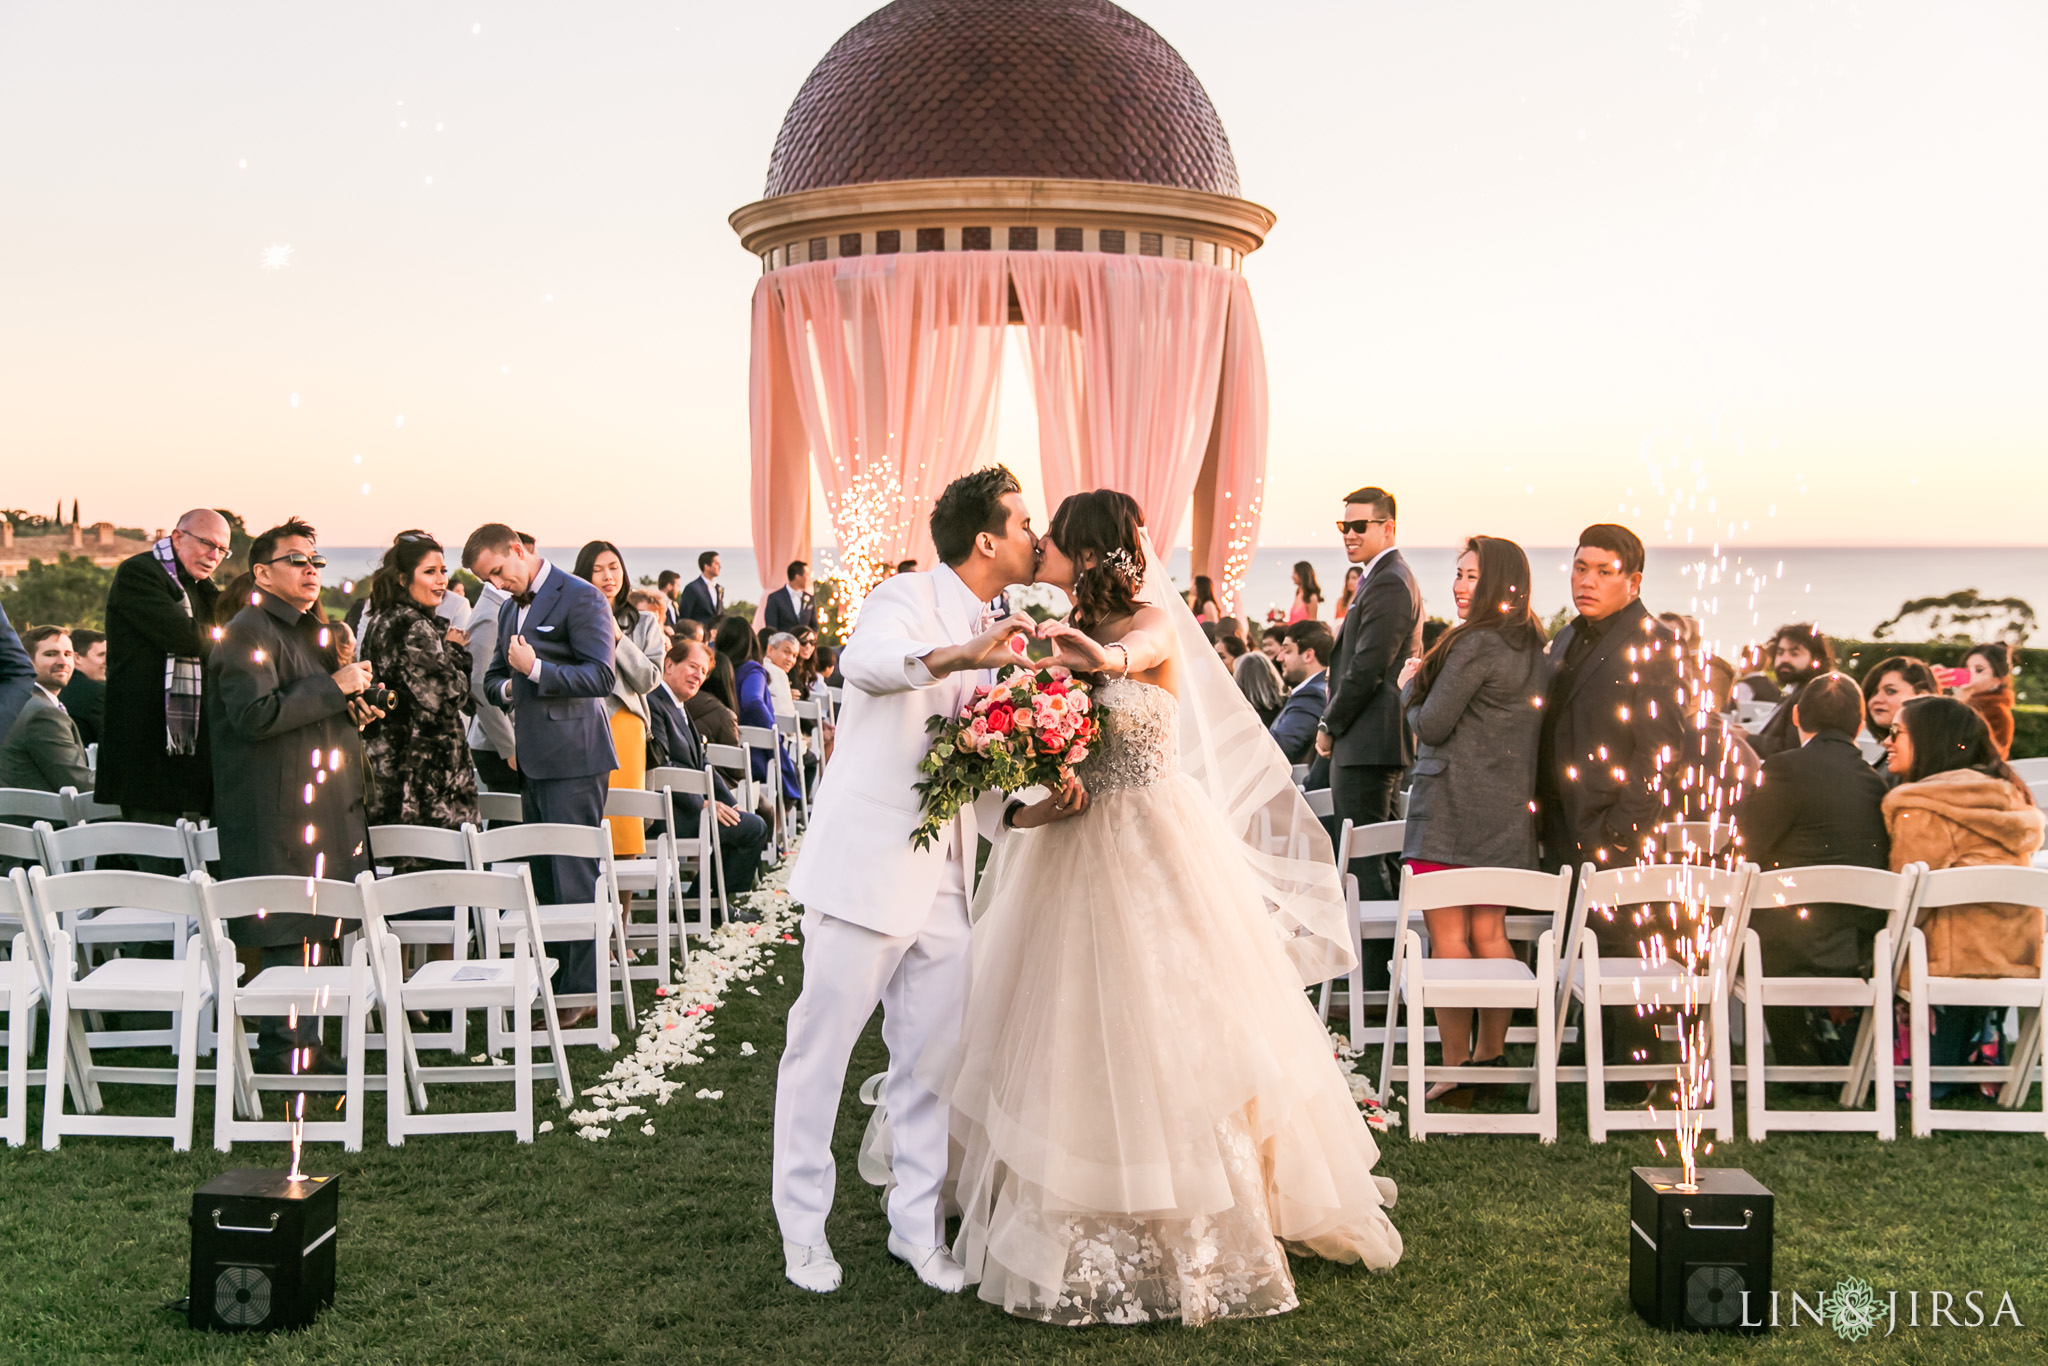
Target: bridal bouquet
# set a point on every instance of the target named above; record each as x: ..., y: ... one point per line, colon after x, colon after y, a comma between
x: 1030, y: 728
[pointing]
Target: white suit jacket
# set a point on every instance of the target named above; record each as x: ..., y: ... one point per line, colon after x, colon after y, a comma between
x: 857, y: 862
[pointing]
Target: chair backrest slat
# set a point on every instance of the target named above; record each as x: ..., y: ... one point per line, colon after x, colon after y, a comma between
x: 540, y: 839
x: 696, y: 781
x: 1998, y: 885
x: 633, y: 801
x: 1321, y: 803
x: 57, y: 893
x: 420, y: 841
x: 500, y: 808
x: 27, y: 803
x: 64, y: 849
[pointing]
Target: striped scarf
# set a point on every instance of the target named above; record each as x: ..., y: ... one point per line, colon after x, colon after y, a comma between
x: 182, y: 674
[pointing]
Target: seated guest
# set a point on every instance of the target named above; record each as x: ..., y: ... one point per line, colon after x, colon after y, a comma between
x: 756, y: 701
x: 1817, y: 804
x: 1471, y: 701
x: 675, y: 743
x: 85, y: 696
x: 1718, y: 753
x: 42, y: 749
x: 1256, y: 678
x: 1888, y: 685
x: 1990, y: 690
x: 17, y: 675
x: 1305, y: 650
x: 649, y: 603
x: 803, y: 674
x: 716, y: 723
x: 685, y: 629
x: 828, y: 668
x: 1753, y: 683
x: 791, y: 607
x: 1959, y: 806
x: 1800, y: 654
x: 780, y: 656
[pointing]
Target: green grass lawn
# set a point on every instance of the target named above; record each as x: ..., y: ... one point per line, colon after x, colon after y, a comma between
x: 476, y: 1249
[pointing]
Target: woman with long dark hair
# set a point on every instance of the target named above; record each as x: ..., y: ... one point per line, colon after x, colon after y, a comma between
x: 1204, y: 603
x: 418, y: 755
x: 1888, y: 685
x: 1959, y: 805
x: 636, y: 646
x: 1308, y: 594
x: 1140, y: 1082
x: 1472, y: 701
x: 1990, y: 690
x: 1346, y: 594
x: 739, y: 646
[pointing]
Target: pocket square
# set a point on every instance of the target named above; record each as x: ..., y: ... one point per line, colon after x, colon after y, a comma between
x: 543, y: 628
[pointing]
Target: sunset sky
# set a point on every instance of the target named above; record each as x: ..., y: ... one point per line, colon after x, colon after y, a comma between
x: 1524, y: 253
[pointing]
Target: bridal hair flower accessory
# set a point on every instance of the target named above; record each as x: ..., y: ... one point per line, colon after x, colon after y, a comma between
x: 1125, y: 566
x: 1028, y: 729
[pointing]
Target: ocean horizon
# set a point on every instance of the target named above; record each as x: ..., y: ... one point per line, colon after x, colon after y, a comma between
x: 1846, y: 590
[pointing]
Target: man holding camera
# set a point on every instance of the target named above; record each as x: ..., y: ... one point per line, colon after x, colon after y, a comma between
x: 283, y: 709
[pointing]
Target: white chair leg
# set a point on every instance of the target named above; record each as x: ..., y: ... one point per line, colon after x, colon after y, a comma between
x: 1593, y: 1028
x: 522, y: 1043
x: 226, y: 1074
x: 1720, y: 1068
x: 1917, y: 1010
x: 20, y: 1036
x: 184, y: 1101
x: 1546, y: 1038
x: 1753, y: 1073
x: 355, y: 1047
x: 1418, y: 1085
x: 1396, y: 975
x: 1879, y: 1030
x: 63, y: 1033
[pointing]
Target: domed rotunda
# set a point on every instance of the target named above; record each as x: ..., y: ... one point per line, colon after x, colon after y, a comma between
x: 949, y: 168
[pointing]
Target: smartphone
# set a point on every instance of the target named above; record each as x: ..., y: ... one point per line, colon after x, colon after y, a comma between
x: 1953, y: 678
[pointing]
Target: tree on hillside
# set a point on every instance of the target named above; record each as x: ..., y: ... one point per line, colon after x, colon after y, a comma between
x: 1963, y: 616
x: 71, y: 592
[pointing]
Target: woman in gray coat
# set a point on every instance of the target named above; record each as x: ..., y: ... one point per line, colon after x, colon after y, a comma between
x: 1473, y: 703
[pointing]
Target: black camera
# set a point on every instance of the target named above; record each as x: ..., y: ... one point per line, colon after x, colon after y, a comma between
x: 378, y: 696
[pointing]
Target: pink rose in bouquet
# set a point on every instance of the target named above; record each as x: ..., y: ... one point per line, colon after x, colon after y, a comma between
x: 1029, y: 728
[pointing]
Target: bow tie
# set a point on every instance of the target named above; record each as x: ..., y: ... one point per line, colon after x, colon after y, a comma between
x: 523, y: 599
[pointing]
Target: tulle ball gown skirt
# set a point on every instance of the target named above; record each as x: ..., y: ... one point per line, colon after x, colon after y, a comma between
x: 1147, y: 1106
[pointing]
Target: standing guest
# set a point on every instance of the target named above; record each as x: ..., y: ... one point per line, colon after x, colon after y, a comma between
x: 1990, y: 690
x: 1960, y: 806
x: 493, y: 747
x: 17, y: 675
x: 703, y: 598
x: 1472, y: 703
x: 421, y: 768
x: 791, y: 608
x: 1611, y: 713
x: 906, y: 566
x: 155, y: 759
x: 742, y: 835
x: 1363, y: 733
x: 85, y: 696
x: 1888, y: 685
x: 1350, y: 590
x: 1204, y: 603
x: 552, y: 668
x: 1305, y: 651
x: 1270, y: 641
x: 1800, y: 654
x: 1817, y: 804
x: 670, y: 585
x: 1308, y: 594
x: 1613, y: 716
x: 275, y: 699
x: 636, y: 646
x: 43, y: 749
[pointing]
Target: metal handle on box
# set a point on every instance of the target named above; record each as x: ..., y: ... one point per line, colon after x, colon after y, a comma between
x: 1747, y: 1215
x: 244, y: 1228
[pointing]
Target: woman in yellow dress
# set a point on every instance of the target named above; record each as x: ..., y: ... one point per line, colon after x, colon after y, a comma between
x: 636, y: 652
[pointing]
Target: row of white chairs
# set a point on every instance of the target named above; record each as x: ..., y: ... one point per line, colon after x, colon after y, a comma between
x: 1570, y: 971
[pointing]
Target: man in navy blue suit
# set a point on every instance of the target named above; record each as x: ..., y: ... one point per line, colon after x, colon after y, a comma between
x: 552, y: 669
x: 17, y: 675
x: 792, y: 609
x: 1305, y: 665
x: 742, y: 835
x: 703, y: 599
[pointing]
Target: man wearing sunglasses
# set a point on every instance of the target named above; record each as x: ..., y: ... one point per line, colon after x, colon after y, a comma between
x: 1363, y: 732
x: 156, y: 760
x: 287, y: 762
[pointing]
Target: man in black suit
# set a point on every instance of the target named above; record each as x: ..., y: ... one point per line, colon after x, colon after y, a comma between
x: 85, y: 696
x: 552, y: 668
x: 703, y: 599
x: 742, y: 835
x: 1363, y: 732
x: 670, y: 585
x: 1818, y: 803
x: 1306, y: 649
x: 792, y: 609
x: 1799, y: 654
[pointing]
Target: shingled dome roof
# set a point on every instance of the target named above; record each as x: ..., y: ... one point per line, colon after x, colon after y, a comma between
x: 964, y: 89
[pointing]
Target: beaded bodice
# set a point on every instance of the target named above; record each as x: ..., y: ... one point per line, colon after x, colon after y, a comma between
x: 1139, y: 744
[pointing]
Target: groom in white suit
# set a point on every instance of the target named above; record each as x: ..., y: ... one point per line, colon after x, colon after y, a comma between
x: 885, y: 922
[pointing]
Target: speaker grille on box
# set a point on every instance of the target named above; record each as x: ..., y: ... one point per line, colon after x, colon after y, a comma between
x: 242, y: 1296
x: 1713, y: 1296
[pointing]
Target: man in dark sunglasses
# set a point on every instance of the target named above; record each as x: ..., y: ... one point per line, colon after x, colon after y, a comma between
x: 1363, y: 732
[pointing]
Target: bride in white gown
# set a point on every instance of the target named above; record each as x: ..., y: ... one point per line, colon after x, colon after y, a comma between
x: 1146, y: 1105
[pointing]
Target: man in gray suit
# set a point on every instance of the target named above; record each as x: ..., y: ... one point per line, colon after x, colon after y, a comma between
x: 552, y: 668
x: 42, y: 749
x: 491, y: 741
x: 1363, y: 732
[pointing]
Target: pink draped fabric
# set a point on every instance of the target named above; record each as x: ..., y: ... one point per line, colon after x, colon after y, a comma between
x: 1126, y: 352
x: 1148, y: 374
x: 891, y: 364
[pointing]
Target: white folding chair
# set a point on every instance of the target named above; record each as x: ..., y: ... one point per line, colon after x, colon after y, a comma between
x: 651, y: 875
x: 1754, y: 716
x: 790, y: 728
x: 86, y: 807
x: 2031, y: 771
x: 518, y: 984
x: 421, y: 936
x: 20, y: 844
x: 1787, y: 892
x: 737, y: 769
x: 21, y: 996
x: 1321, y: 803
x: 315, y: 990
x: 1997, y: 886
x: 597, y: 921
x: 812, y: 717
x: 1366, y: 920
x: 31, y: 804
x: 1483, y: 984
x: 182, y: 986
x: 1298, y: 772
x: 697, y: 849
x: 1692, y: 841
x: 500, y: 808
x: 761, y: 740
x: 1653, y: 978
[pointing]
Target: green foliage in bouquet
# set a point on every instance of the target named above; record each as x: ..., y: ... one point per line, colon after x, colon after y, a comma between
x: 1030, y: 729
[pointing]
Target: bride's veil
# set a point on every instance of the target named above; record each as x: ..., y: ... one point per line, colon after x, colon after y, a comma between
x: 1225, y: 749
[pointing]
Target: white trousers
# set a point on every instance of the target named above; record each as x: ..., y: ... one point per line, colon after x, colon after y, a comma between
x: 920, y: 981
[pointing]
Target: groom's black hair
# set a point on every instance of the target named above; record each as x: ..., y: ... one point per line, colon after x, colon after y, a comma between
x: 970, y: 505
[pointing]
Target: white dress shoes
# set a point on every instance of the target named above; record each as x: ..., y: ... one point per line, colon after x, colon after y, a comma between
x: 811, y: 1267
x: 934, y: 1265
